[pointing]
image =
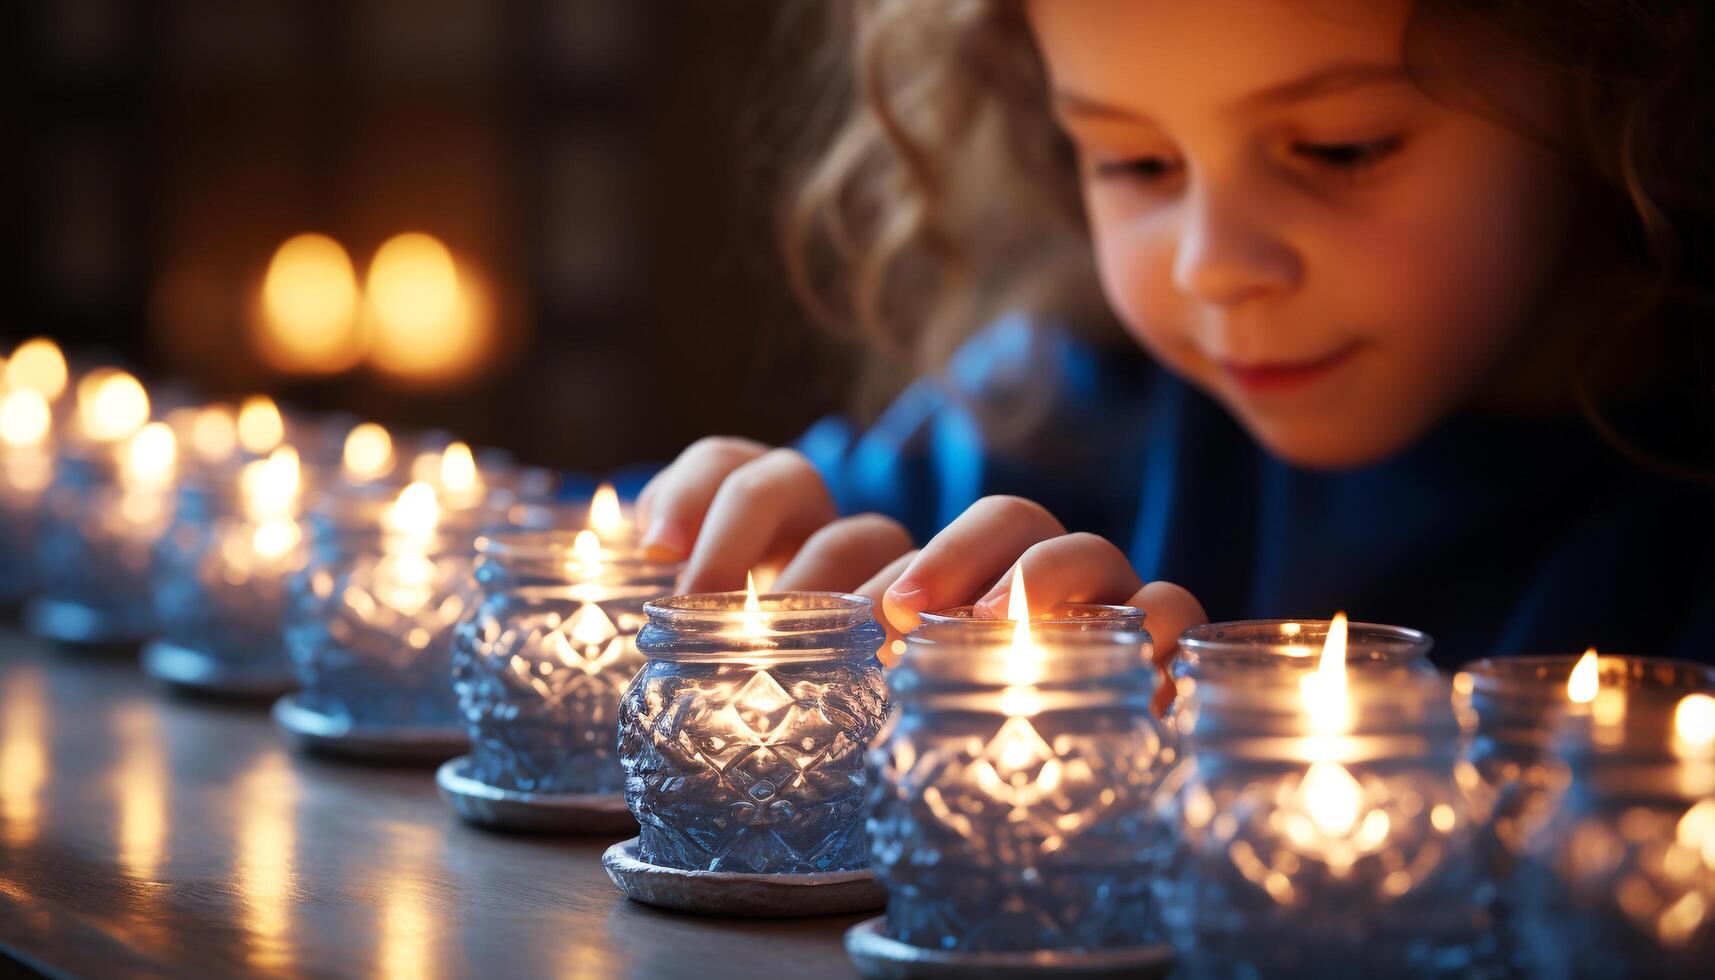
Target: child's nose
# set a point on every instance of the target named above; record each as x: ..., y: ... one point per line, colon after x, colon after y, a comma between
x: 1228, y: 252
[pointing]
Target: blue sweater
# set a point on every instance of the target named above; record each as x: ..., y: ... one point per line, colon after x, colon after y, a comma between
x: 1495, y: 536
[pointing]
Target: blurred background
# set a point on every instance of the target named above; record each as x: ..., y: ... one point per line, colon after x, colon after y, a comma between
x: 545, y: 225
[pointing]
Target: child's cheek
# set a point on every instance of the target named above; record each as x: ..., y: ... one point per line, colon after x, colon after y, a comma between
x: 1135, y: 262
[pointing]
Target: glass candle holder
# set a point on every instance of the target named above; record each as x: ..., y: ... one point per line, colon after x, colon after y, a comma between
x: 25, y: 474
x: 1620, y: 880
x: 1009, y: 802
x: 742, y: 737
x: 369, y: 620
x: 540, y: 665
x: 1323, y: 837
x: 225, y: 565
x: 95, y: 549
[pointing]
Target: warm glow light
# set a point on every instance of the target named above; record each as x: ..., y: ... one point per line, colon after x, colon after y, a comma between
x: 111, y: 405
x: 23, y: 757
x: 265, y: 843
x: 214, y: 433
x: 368, y: 452
x: 1332, y: 797
x: 1582, y: 686
x: 37, y: 364
x: 309, y: 307
x: 416, y: 512
x: 150, y: 455
x: 1694, y: 721
x: 260, y: 427
x: 423, y: 318
x: 586, y: 550
x: 458, y: 469
x: 25, y: 417
x: 269, y: 487
x: 606, y: 519
x: 590, y: 626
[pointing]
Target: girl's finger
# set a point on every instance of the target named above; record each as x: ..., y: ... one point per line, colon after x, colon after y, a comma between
x: 673, y: 504
x: 966, y: 556
x: 845, y: 554
x: 1171, y: 611
x: 873, y: 589
x: 764, y: 508
x: 1070, y: 568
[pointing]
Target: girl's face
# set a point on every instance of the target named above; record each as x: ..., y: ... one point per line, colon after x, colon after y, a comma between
x: 1283, y: 219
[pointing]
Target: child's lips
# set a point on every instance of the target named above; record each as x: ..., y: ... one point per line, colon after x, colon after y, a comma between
x: 1268, y: 376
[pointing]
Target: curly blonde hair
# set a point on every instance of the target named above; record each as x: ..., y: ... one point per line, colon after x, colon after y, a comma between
x: 938, y: 190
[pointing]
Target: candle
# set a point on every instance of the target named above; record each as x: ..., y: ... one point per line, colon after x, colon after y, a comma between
x: 1008, y: 810
x: 370, y: 618
x: 1322, y: 800
x: 110, y: 501
x: 220, y: 593
x: 260, y: 426
x: 541, y: 663
x: 742, y: 736
x: 26, y: 468
x: 1620, y: 880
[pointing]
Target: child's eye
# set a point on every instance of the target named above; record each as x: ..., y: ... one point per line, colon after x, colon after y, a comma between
x: 1348, y: 157
x: 1149, y: 168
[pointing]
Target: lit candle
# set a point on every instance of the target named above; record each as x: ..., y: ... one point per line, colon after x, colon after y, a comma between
x: 742, y: 736
x: 1620, y: 879
x: 26, y: 469
x: 370, y: 620
x: 1009, y: 810
x: 541, y: 663
x: 260, y: 426
x: 1322, y: 798
x: 220, y: 590
x: 368, y: 453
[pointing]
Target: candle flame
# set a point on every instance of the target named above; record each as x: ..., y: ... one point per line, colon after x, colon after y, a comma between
x: 149, y: 456
x: 269, y: 487
x: 590, y: 626
x: 214, y: 433
x: 275, y: 538
x: 1694, y: 721
x: 111, y: 405
x: 606, y: 519
x: 458, y: 469
x: 1585, y: 681
x: 1323, y: 690
x: 416, y: 512
x: 424, y: 313
x: 260, y: 427
x: 751, y: 619
x: 368, y: 451
x: 25, y: 417
x: 37, y: 364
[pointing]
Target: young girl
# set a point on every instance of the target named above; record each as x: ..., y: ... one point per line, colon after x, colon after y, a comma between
x: 1422, y: 292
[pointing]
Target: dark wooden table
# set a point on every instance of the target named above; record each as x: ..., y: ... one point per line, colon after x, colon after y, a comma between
x: 143, y: 834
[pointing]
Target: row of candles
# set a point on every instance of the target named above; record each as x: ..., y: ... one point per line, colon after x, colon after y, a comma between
x: 1318, y: 797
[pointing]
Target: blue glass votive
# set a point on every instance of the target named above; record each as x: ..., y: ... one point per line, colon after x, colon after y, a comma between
x: 1009, y: 801
x: 1314, y: 835
x: 95, y: 549
x: 224, y: 568
x: 1619, y: 881
x: 540, y: 665
x: 369, y: 620
x: 742, y: 737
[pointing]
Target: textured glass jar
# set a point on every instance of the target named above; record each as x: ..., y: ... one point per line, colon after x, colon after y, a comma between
x: 222, y: 576
x: 1009, y: 804
x: 540, y: 665
x: 743, y: 735
x: 95, y: 550
x: 1305, y: 848
x: 369, y: 621
x: 25, y: 474
x: 1620, y: 879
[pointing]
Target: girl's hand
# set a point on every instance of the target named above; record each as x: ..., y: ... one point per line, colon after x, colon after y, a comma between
x: 729, y: 505
x: 973, y: 560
